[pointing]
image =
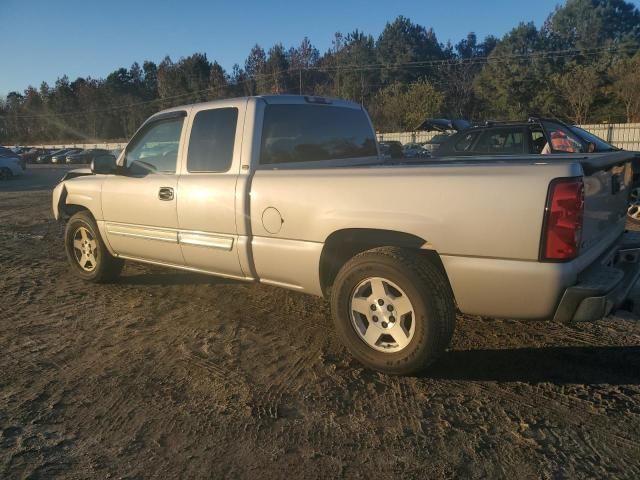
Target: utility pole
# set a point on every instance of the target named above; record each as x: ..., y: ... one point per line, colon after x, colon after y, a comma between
x: 300, y: 79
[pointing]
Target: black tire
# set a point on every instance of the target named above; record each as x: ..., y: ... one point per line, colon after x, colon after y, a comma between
x: 106, y: 267
x: 428, y: 290
x: 5, y: 173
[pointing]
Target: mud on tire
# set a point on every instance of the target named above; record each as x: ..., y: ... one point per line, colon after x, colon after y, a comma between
x: 86, y: 252
x: 410, y: 283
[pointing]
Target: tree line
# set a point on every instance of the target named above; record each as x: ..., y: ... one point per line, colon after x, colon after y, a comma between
x: 581, y: 65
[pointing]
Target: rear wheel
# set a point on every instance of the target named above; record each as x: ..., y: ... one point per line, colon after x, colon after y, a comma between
x: 87, y: 253
x: 393, y: 309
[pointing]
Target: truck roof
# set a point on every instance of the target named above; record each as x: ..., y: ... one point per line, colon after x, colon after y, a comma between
x: 271, y: 99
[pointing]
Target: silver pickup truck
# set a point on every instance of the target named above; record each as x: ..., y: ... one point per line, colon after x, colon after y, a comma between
x: 291, y: 191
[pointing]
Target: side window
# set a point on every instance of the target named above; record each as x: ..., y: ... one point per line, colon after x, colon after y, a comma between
x: 155, y: 148
x: 501, y: 141
x: 562, y: 140
x: 212, y: 137
x: 538, y: 140
x: 465, y: 142
x: 306, y: 133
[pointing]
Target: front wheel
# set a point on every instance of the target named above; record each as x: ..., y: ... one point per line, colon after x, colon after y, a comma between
x: 393, y: 309
x: 87, y: 253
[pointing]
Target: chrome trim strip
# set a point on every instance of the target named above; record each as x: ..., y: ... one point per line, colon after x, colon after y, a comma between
x: 198, y: 239
x: 281, y: 284
x: 206, y: 240
x: 147, y: 233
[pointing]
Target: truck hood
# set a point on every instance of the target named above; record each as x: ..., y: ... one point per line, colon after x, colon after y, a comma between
x: 77, y: 172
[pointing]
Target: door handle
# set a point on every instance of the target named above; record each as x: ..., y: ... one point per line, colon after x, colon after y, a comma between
x: 165, y: 193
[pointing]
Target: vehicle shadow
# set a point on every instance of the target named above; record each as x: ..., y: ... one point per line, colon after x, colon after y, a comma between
x: 559, y: 365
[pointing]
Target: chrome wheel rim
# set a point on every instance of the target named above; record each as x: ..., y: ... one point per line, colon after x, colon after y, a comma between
x: 634, y: 204
x: 85, y: 249
x: 382, y: 315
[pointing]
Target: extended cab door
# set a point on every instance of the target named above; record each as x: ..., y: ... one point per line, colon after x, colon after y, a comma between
x: 208, y: 188
x: 139, y: 205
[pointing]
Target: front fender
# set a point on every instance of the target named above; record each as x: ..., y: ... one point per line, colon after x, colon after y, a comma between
x: 58, y: 200
x: 81, y: 191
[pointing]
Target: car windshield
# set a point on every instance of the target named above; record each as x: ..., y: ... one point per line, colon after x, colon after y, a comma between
x: 601, y: 145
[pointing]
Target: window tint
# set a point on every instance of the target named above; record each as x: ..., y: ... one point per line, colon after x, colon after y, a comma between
x: 502, y: 141
x: 155, y: 148
x: 538, y: 140
x: 306, y: 133
x: 562, y: 140
x: 212, y: 137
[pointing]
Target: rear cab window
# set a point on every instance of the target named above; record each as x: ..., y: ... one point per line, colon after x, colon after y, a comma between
x: 301, y: 133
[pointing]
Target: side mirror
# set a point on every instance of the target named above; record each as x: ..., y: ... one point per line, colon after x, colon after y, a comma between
x: 104, y: 164
x: 591, y: 147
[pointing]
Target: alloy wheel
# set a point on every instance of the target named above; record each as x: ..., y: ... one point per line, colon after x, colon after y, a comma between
x: 382, y: 315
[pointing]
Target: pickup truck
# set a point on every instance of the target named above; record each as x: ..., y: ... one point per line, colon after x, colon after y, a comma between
x: 292, y: 191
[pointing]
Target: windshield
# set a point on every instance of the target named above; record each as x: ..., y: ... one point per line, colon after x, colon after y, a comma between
x: 601, y: 145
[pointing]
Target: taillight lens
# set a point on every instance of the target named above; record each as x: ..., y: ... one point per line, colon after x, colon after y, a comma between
x: 563, y: 219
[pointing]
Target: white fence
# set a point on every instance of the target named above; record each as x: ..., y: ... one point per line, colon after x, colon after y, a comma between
x: 623, y: 135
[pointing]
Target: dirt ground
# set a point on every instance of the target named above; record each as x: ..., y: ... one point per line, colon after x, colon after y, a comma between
x: 173, y: 375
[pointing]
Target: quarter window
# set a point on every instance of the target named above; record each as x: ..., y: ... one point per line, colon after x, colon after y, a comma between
x: 155, y: 148
x: 212, y: 137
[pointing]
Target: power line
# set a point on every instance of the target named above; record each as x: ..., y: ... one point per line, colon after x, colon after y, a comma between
x: 439, y: 63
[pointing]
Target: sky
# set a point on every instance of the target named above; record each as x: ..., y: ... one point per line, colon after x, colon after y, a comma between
x: 43, y: 40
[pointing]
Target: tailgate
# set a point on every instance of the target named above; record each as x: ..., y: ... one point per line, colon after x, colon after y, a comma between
x: 607, y: 182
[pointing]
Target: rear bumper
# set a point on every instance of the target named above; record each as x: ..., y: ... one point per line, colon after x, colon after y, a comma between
x: 603, y: 286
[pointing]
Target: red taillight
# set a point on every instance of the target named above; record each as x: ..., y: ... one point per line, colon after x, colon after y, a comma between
x: 563, y: 219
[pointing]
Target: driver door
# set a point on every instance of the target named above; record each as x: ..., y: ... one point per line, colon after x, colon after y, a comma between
x: 139, y: 206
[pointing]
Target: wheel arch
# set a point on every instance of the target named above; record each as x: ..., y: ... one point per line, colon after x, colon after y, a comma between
x: 70, y: 203
x: 342, y: 245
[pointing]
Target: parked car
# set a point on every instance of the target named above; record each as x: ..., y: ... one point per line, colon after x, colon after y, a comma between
x: 46, y: 156
x: 290, y: 191
x: 534, y: 136
x: 414, y: 150
x: 445, y: 126
x: 31, y: 155
x: 10, y: 167
x: 430, y: 146
x: 8, y: 153
x: 61, y: 158
x: 86, y: 156
x: 392, y: 149
x: 537, y: 136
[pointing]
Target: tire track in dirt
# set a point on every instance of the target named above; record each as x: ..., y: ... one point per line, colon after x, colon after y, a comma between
x: 562, y: 412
